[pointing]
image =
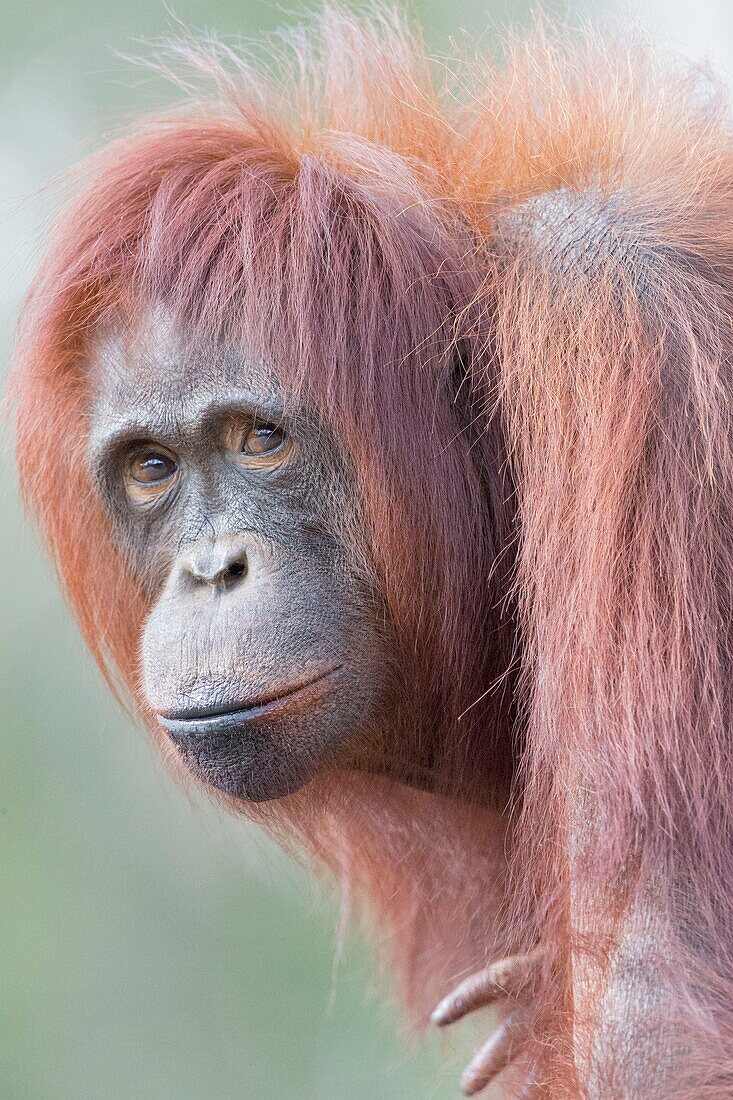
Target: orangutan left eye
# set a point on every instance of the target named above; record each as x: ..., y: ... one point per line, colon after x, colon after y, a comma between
x: 263, y: 439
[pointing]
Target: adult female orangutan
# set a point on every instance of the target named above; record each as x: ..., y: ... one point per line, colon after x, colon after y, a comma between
x: 381, y: 432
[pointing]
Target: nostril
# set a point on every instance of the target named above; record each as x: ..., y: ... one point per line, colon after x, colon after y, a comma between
x: 218, y: 564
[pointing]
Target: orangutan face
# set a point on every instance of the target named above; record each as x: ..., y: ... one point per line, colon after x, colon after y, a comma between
x: 262, y: 657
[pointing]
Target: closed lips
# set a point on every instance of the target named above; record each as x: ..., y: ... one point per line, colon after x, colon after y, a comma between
x: 205, y: 719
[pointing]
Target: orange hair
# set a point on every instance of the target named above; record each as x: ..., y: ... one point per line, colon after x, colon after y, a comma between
x: 552, y: 240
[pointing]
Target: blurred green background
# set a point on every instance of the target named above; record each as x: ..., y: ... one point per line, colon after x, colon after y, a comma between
x: 150, y: 948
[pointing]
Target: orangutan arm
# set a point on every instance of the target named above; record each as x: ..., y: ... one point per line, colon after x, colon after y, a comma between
x: 624, y: 471
x: 625, y: 1043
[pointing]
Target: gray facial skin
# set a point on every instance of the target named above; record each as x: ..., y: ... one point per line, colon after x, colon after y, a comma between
x: 262, y: 657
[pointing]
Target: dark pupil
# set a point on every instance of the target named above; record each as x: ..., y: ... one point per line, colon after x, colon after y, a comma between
x: 153, y: 467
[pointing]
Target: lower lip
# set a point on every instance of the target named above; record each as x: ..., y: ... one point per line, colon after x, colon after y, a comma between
x: 291, y: 701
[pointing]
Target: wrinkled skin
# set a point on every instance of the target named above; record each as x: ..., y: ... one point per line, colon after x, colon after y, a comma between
x: 262, y: 657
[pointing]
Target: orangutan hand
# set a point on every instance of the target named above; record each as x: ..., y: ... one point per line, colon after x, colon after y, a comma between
x: 510, y: 979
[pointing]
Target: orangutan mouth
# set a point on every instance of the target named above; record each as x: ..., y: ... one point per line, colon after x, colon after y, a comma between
x: 199, y: 721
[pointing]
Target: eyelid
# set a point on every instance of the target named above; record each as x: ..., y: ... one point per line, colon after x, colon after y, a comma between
x: 219, y: 417
x: 107, y: 458
x: 147, y: 495
x: 130, y: 452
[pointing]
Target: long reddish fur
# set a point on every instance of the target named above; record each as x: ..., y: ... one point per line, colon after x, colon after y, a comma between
x: 361, y: 229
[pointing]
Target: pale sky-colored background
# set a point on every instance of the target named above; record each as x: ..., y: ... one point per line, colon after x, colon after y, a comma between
x: 150, y: 948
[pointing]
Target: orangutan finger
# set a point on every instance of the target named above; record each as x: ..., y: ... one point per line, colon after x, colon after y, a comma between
x: 497, y: 1053
x: 506, y: 978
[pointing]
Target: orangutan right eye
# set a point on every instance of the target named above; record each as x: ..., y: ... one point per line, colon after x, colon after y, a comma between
x: 149, y: 472
x: 152, y: 467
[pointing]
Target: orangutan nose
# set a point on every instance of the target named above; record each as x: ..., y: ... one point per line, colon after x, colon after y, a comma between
x: 219, y: 563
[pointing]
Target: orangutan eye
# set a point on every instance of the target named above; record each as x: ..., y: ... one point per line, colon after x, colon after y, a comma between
x: 257, y: 444
x: 262, y: 439
x: 149, y: 473
x: 152, y: 467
